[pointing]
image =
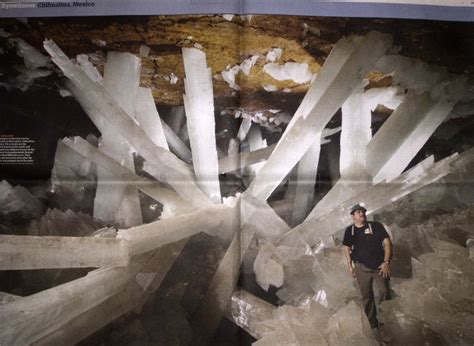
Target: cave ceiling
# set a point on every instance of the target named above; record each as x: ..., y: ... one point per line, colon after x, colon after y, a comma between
x: 228, y: 42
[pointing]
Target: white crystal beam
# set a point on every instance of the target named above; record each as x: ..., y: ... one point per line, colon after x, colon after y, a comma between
x: 26, y: 320
x: 256, y: 213
x: 131, y: 297
x: 349, y: 62
x: 356, y: 134
x: 30, y: 252
x: 234, y: 162
x: 175, y: 143
x: 315, y: 228
x: 170, y: 199
x: 199, y: 106
x: 177, y: 118
x: 404, y: 134
x: 121, y: 80
x: 256, y: 142
x: 159, y: 233
x: 305, y: 182
x: 165, y: 166
x: 147, y: 116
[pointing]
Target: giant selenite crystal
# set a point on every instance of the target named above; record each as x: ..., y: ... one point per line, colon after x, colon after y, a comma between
x: 199, y: 105
x: 356, y: 134
x: 30, y: 252
x: 18, y: 200
x: 115, y: 201
x: 147, y: 116
x: 404, y: 134
x: 26, y: 320
x: 173, y: 204
x: 137, y: 290
x: 306, y: 180
x: 315, y: 228
x: 341, y: 74
x: 102, y: 109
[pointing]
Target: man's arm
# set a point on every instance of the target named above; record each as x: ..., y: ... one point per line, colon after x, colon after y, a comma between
x: 385, y: 266
x: 347, y: 252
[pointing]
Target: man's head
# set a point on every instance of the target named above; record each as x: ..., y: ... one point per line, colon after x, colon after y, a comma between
x: 358, y: 214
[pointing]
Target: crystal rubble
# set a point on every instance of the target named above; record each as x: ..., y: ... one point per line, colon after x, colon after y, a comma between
x: 68, y: 223
x: 28, y: 319
x: 414, y: 121
x: 30, y: 252
x: 402, y: 329
x: 340, y: 75
x: 244, y: 159
x: 267, y: 270
x: 378, y: 196
x: 309, y: 323
x: 303, y: 325
x: 18, y: 201
x: 134, y: 294
x: 438, y: 295
x: 408, y: 243
x: 332, y: 279
x: 172, y: 202
x: 121, y: 81
x: 218, y: 296
x: 100, y: 107
x: 176, y: 145
x: 247, y: 311
x: 356, y: 134
x: 449, y: 269
x: 305, y: 182
x: 420, y: 301
x: 349, y: 326
x: 298, y: 261
x: 147, y: 116
x: 258, y: 214
x: 199, y: 106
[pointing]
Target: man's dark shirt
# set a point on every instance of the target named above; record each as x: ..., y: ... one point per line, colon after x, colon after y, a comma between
x: 367, y: 248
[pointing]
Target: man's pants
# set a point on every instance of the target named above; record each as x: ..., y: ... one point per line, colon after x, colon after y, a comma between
x: 365, y: 277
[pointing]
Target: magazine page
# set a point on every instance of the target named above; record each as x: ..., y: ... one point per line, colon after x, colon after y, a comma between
x: 236, y: 172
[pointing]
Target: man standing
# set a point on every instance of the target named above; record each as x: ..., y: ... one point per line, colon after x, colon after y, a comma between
x: 368, y: 250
